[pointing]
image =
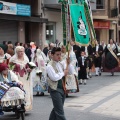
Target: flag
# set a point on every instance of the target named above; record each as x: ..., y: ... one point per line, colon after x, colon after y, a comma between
x: 79, y: 23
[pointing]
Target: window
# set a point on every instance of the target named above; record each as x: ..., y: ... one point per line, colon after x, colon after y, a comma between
x: 50, y: 32
x: 100, y: 4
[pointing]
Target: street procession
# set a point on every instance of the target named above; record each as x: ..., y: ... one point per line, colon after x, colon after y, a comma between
x: 58, y: 69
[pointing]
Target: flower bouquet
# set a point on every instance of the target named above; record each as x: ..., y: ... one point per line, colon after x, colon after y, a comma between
x: 118, y: 55
x: 43, y: 83
x: 39, y: 73
x: 31, y: 66
x: 11, y: 66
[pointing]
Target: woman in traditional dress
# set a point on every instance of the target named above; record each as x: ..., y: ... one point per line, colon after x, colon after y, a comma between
x: 4, y: 57
x: 49, y: 56
x: 73, y: 59
x: 7, y: 76
x: 20, y: 67
x: 39, y: 83
x: 63, y: 53
x: 111, y: 60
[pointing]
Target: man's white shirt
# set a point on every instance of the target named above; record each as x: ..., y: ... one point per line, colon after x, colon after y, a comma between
x: 60, y: 66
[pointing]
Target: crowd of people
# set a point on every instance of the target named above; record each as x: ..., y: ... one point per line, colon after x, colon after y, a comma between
x: 40, y: 70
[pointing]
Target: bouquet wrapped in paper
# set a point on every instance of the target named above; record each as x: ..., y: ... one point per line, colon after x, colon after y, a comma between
x: 31, y: 66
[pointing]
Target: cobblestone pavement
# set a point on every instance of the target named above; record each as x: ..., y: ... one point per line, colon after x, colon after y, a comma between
x: 98, y: 100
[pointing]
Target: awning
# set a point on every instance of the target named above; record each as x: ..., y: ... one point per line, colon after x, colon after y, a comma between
x: 23, y: 18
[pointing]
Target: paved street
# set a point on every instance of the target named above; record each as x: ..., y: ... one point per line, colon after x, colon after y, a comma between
x: 98, y: 100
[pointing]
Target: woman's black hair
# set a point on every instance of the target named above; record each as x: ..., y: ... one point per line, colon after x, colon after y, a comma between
x: 4, y: 42
x: 55, y: 49
x: 16, y: 43
x: 28, y: 44
x: 21, y: 44
x: 112, y: 40
x: 9, y: 42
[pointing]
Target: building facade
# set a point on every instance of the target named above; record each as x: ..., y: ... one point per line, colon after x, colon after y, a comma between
x: 52, y: 11
x: 105, y: 19
x: 17, y: 25
x: 44, y: 25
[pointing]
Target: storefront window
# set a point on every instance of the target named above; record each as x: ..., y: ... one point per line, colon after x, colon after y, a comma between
x: 50, y: 32
x: 100, y: 4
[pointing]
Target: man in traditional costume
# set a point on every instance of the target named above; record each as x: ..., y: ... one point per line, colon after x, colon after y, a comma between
x: 89, y: 57
x: 28, y: 51
x: 33, y: 48
x: 82, y: 68
x: 76, y: 49
x: 56, y: 72
x: 97, y: 51
x: 111, y: 60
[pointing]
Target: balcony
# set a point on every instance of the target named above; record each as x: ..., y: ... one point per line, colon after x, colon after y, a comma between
x: 52, y: 4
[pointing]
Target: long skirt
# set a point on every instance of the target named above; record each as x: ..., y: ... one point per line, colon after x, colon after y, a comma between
x: 110, y: 61
x: 28, y: 85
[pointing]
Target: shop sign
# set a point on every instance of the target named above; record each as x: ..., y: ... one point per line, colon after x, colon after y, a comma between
x: 101, y: 24
x: 15, y: 9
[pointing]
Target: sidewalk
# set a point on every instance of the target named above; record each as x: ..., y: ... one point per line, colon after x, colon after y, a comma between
x: 105, y: 100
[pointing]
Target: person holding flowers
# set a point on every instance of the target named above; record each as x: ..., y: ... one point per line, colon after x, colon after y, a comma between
x: 23, y: 69
x: 40, y: 84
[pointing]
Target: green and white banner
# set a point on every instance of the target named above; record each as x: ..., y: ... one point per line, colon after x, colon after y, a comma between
x: 79, y: 23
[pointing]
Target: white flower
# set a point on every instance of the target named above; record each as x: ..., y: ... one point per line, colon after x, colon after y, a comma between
x: 39, y: 71
x: 118, y: 54
x: 32, y: 64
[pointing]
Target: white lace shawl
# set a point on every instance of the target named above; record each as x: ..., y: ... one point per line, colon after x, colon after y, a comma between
x: 14, y: 59
x: 113, y: 47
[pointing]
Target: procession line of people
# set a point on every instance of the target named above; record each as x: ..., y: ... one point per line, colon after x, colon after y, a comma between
x: 54, y: 69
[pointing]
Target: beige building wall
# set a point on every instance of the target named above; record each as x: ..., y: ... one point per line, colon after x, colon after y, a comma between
x: 104, y: 35
x: 56, y: 18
